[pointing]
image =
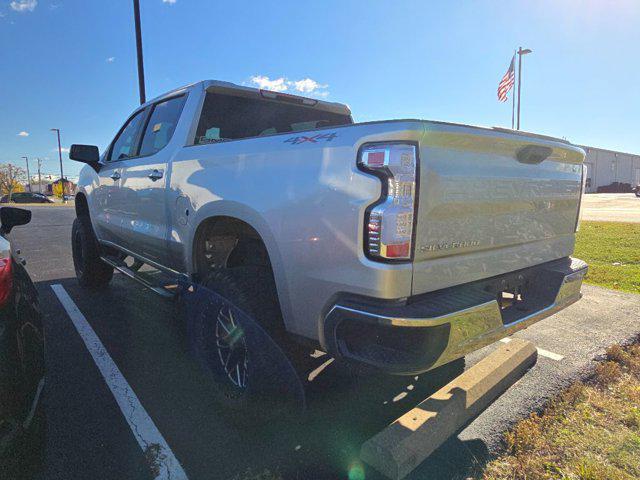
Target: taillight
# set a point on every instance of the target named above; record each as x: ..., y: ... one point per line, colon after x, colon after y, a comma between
x: 389, y: 221
x: 583, y: 187
x: 5, y: 280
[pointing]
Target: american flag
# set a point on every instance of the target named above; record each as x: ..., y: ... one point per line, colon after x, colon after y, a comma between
x: 507, y: 81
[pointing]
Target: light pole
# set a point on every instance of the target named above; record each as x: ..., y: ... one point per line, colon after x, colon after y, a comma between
x: 11, y: 182
x: 28, y: 175
x: 136, y: 16
x: 57, y: 130
x: 521, y: 52
x: 39, y: 177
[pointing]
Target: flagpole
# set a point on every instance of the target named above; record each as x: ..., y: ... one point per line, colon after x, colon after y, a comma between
x: 519, y: 80
x: 513, y: 99
x: 521, y: 52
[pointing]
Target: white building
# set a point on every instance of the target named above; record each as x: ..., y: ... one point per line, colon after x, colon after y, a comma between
x: 606, y: 166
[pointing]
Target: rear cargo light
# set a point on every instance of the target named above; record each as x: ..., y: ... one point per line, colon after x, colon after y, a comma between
x: 389, y: 221
x: 286, y: 97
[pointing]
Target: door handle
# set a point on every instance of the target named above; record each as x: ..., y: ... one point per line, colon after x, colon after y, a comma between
x: 156, y: 175
x: 115, y: 176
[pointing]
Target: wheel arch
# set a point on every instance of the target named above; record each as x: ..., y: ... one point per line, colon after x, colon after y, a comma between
x: 82, y: 205
x: 227, y: 214
x: 222, y: 227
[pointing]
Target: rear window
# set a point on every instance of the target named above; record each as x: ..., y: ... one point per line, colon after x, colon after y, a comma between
x: 226, y: 117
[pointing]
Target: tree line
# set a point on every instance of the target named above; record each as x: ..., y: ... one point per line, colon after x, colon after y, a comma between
x: 11, y: 179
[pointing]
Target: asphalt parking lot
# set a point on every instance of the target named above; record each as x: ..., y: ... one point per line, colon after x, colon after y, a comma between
x: 611, y: 207
x: 90, y: 437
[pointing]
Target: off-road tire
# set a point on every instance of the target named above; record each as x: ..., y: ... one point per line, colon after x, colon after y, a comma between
x: 252, y: 290
x: 91, y: 271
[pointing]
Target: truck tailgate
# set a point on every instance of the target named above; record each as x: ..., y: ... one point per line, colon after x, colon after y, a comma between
x: 491, y: 202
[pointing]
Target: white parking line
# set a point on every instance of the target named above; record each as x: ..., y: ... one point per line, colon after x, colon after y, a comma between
x: 551, y: 355
x: 151, y: 441
x: 319, y: 370
x: 542, y: 352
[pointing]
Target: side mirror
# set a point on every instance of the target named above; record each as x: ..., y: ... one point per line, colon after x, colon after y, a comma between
x: 88, y: 154
x: 12, y: 217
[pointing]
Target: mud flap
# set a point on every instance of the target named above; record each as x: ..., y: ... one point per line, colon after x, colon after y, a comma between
x: 273, y: 382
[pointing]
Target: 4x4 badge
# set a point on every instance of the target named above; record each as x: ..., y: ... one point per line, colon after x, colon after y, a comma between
x: 327, y: 137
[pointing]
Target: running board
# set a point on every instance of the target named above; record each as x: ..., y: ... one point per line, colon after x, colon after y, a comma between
x: 122, y: 268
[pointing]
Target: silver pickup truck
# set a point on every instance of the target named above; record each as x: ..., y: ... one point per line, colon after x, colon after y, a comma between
x: 402, y: 244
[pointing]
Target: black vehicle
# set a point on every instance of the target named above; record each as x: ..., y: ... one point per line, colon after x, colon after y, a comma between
x: 22, y: 421
x: 636, y: 190
x: 25, y: 197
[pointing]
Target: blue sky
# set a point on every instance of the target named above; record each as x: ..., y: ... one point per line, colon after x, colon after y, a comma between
x: 71, y: 63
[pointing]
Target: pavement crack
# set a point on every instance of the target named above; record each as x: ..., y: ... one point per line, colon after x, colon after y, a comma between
x: 130, y: 416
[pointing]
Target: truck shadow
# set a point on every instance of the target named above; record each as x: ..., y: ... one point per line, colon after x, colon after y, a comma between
x: 147, y: 338
x: 346, y: 409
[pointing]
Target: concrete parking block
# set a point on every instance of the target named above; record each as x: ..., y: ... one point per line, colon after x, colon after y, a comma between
x: 408, y: 441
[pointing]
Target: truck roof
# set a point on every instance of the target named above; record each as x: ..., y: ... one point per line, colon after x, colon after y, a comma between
x: 335, y: 107
x: 228, y: 87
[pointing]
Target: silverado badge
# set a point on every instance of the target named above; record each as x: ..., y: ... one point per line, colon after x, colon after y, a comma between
x: 448, y: 245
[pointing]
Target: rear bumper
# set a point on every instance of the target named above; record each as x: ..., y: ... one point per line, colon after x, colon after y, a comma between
x: 436, y: 328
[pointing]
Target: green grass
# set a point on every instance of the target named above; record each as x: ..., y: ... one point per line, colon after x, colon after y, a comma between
x: 590, y: 432
x: 612, y: 250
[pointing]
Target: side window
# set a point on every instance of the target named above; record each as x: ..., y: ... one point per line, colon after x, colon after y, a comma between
x: 161, y: 125
x: 125, y: 143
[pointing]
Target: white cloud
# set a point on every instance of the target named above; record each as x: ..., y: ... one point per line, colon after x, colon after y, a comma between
x: 23, y: 134
x: 307, y: 85
x: 282, y: 84
x: 24, y: 5
x: 170, y: 2
x: 111, y: 59
x: 275, y: 85
x: 64, y: 150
